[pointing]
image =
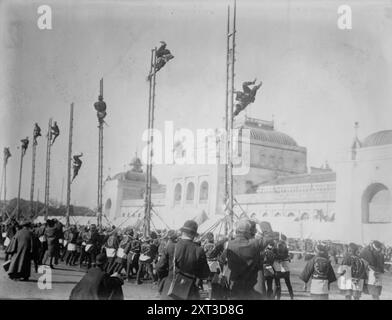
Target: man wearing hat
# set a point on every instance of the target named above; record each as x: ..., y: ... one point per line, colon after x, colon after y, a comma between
x: 319, y: 270
x: 22, y: 253
x: 374, y: 257
x: 97, y: 284
x: 190, y: 260
x: 243, y: 255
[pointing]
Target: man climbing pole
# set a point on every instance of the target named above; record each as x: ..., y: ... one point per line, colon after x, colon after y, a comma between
x: 100, y: 106
x: 247, y: 96
x: 7, y: 155
x: 163, y: 56
x: 55, y: 132
x: 25, y: 144
x: 36, y: 133
x: 77, y: 163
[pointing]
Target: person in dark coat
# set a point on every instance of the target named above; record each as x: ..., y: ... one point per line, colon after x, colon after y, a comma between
x: 43, y: 247
x: 374, y: 257
x: 320, y: 273
x: 21, y: 260
x: 146, y: 258
x: 36, y: 248
x: 93, y: 243
x: 243, y: 255
x: 97, y: 284
x: 353, y: 286
x: 11, y: 230
x: 52, y: 238
x: 268, y: 269
x: 71, y: 253
x: 111, y: 246
x: 133, y: 257
x: 281, y: 267
x: 165, y: 261
x: 190, y: 259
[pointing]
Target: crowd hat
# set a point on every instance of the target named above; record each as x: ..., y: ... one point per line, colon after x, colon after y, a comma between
x: 243, y: 226
x: 321, y: 248
x: 190, y: 227
x: 172, y: 234
x: 377, y: 245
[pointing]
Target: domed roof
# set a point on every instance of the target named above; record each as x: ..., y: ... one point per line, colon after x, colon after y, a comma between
x: 378, y: 139
x: 272, y: 136
x: 133, y: 176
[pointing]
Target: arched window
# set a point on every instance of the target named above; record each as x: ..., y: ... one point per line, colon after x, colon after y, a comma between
x: 277, y: 214
x: 177, y: 193
x: 190, y: 192
x: 203, y: 191
x: 376, y: 204
x: 265, y: 214
x: 291, y: 215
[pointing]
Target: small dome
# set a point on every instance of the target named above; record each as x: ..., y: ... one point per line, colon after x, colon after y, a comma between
x: 378, y: 139
x: 272, y: 136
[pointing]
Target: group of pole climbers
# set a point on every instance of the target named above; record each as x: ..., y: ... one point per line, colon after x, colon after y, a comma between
x: 160, y: 56
x: 52, y: 135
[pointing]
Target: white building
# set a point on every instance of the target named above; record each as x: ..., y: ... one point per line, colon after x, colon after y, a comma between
x: 352, y: 204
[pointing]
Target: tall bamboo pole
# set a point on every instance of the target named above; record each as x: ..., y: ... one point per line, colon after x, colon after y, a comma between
x: 20, y: 184
x: 47, y: 173
x: 34, y: 153
x: 147, y: 204
x: 100, y: 161
x: 69, y: 163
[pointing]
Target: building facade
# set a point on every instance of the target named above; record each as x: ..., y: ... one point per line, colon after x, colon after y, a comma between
x: 277, y: 187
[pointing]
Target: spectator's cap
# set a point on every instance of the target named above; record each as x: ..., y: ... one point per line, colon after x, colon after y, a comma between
x: 377, y: 245
x: 243, y: 226
x: 209, y: 236
x: 153, y: 235
x: 172, y: 234
x: 101, y: 259
x: 265, y: 226
x: 270, y: 245
x: 321, y: 248
x: 190, y: 227
x: 353, y: 246
x: 282, y: 237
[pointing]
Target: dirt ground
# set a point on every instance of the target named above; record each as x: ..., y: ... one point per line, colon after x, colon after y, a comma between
x: 64, y: 279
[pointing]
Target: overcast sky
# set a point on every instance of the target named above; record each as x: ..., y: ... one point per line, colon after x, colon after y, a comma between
x: 317, y: 79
